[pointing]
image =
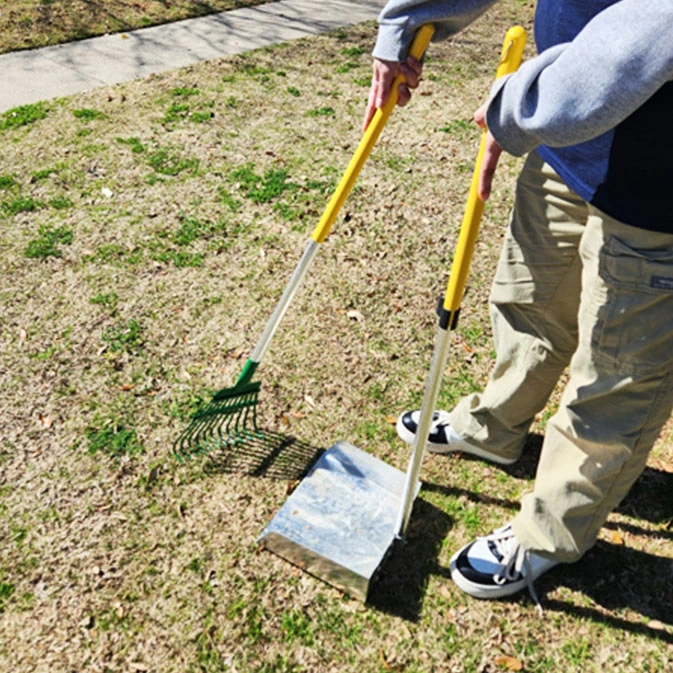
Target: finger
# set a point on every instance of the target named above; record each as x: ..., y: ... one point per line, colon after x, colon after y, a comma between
x: 403, y: 94
x: 411, y: 77
x: 370, y: 110
x: 488, y: 167
x: 415, y: 65
x: 480, y: 116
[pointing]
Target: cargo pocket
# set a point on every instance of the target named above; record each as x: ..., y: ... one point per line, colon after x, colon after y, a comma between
x: 527, y: 275
x: 634, y: 308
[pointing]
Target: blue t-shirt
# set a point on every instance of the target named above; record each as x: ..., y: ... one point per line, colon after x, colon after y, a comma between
x: 627, y: 172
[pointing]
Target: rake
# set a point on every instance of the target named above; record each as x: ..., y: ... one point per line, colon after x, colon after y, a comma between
x: 231, y: 415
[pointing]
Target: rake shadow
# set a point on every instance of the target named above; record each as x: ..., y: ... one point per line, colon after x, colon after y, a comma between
x: 265, y: 453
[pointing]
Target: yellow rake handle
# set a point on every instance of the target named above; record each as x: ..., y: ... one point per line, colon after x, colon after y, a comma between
x: 510, y: 59
x: 417, y: 49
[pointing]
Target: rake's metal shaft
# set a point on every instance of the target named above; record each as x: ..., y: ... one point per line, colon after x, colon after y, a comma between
x: 224, y: 419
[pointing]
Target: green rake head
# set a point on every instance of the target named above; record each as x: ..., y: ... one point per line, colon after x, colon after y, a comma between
x: 229, y: 419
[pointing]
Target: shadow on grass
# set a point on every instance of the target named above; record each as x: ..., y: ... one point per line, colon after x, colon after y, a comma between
x: 614, y: 577
x: 400, y: 587
x: 620, y: 580
x: 268, y: 454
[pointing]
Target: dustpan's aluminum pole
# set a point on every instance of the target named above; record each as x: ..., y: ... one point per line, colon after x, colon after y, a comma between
x: 432, y: 386
x: 284, y: 302
x: 510, y: 58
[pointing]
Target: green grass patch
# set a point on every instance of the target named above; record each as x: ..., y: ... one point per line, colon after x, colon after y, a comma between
x: 7, y: 182
x: 23, y: 204
x: 325, y: 111
x: 6, y: 591
x: 88, y: 115
x: 347, y: 67
x: 185, y: 92
x: 263, y: 188
x: 113, y: 440
x: 353, y: 52
x: 108, y: 300
x: 192, y: 229
x: 167, y: 162
x: 134, y: 143
x: 23, y: 115
x: 48, y: 242
x: 459, y: 127
x: 61, y: 203
x: 124, y: 338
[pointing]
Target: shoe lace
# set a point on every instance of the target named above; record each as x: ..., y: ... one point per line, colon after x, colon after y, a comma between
x: 514, y: 563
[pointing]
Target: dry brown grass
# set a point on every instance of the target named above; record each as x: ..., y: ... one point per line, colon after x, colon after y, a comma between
x: 115, y: 557
x: 26, y: 24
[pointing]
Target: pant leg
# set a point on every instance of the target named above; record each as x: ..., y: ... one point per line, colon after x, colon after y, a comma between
x: 534, y: 304
x: 619, y: 395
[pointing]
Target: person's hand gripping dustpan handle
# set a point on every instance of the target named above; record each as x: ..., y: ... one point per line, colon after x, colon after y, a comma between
x: 367, y: 142
x: 512, y: 52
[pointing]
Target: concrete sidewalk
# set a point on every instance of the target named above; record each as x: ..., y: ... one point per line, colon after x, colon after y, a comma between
x: 51, y: 72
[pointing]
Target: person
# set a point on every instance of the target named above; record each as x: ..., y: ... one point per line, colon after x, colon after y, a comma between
x: 585, y: 276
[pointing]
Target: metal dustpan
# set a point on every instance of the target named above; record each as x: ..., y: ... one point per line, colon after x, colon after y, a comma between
x: 340, y: 523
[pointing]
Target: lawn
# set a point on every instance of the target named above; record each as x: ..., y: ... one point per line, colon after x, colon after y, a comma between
x: 146, y: 233
x: 28, y: 24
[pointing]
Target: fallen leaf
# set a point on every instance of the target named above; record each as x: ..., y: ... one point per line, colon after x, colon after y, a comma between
x: 310, y: 401
x: 387, y: 665
x: 509, y: 663
x: 391, y: 420
x: 46, y: 421
x: 616, y: 537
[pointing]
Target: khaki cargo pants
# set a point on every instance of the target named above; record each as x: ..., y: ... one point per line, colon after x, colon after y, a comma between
x: 575, y: 287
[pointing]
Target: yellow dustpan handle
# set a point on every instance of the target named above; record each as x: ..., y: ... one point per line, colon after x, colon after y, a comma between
x: 510, y: 58
x: 417, y: 49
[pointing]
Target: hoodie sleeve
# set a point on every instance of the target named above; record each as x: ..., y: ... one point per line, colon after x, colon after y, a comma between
x: 399, y: 20
x: 576, y: 91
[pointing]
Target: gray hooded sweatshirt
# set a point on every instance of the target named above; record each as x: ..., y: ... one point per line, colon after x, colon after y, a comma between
x: 596, y: 103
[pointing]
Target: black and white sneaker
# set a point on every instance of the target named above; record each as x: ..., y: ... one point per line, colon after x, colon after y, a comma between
x: 443, y: 438
x: 497, y: 565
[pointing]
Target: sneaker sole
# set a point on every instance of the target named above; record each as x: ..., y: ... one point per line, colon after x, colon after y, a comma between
x: 490, y: 591
x: 409, y: 437
x: 481, y: 590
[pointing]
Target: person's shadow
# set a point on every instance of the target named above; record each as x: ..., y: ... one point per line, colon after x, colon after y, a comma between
x: 613, y: 576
